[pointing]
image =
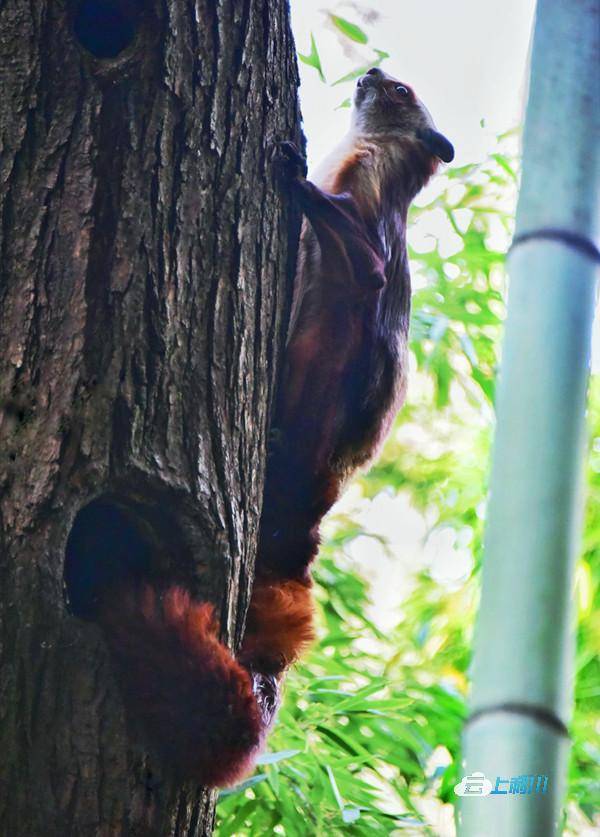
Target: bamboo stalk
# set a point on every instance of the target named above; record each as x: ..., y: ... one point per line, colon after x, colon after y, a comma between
x: 522, y: 669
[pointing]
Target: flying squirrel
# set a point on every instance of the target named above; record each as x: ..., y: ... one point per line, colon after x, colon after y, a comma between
x: 207, y: 711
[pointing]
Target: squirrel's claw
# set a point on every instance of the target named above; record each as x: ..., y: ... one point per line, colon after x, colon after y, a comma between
x: 289, y: 162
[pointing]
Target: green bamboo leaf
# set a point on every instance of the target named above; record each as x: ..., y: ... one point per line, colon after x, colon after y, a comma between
x: 360, y: 71
x: 273, y: 777
x: 272, y: 758
x: 439, y: 328
x: 486, y: 383
x: 469, y: 349
x: 334, y: 788
x: 504, y: 164
x: 353, y: 74
x: 248, y: 783
x: 349, y: 29
x: 313, y: 58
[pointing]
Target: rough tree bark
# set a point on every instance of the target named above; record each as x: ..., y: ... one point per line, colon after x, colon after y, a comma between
x: 146, y: 260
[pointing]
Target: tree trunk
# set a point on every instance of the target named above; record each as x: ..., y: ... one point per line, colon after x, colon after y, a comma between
x: 146, y: 266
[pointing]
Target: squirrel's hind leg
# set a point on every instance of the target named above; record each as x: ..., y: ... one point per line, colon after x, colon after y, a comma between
x: 279, y: 626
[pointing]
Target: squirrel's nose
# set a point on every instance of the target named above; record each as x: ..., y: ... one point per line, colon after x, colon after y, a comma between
x: 372, y: 76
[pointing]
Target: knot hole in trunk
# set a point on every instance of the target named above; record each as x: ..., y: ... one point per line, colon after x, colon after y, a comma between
x: 107, y: 27
x: 115, y: 544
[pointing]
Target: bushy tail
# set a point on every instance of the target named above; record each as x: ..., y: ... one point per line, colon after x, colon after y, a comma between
x: 205, y: 712
x: 196, y: 702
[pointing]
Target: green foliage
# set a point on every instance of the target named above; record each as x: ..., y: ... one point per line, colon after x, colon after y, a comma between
x: 313, y: 59
x: 368, y: 738
x: 584, y: 774
x: 375, y: 61
x: 349, y: 29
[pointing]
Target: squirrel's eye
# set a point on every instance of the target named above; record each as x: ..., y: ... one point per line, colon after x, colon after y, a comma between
x: 401, y: 89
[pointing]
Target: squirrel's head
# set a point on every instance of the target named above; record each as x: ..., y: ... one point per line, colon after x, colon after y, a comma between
x: 384, y: 105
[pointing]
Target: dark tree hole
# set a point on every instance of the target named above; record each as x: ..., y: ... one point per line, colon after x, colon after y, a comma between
x: 107, y: 544
x: 106, y: 27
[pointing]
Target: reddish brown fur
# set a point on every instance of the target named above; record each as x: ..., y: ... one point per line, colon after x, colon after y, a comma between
x: 346, y: 174
x: 194, y: 699
x: 279, y: 627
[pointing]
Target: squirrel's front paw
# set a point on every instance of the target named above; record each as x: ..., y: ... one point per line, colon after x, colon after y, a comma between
x: 288, y: 161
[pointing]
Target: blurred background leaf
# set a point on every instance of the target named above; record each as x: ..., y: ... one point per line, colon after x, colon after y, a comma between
x: 313, y: 59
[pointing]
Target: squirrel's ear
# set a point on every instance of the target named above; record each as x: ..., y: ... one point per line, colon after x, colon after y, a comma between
x: 437, y: 144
